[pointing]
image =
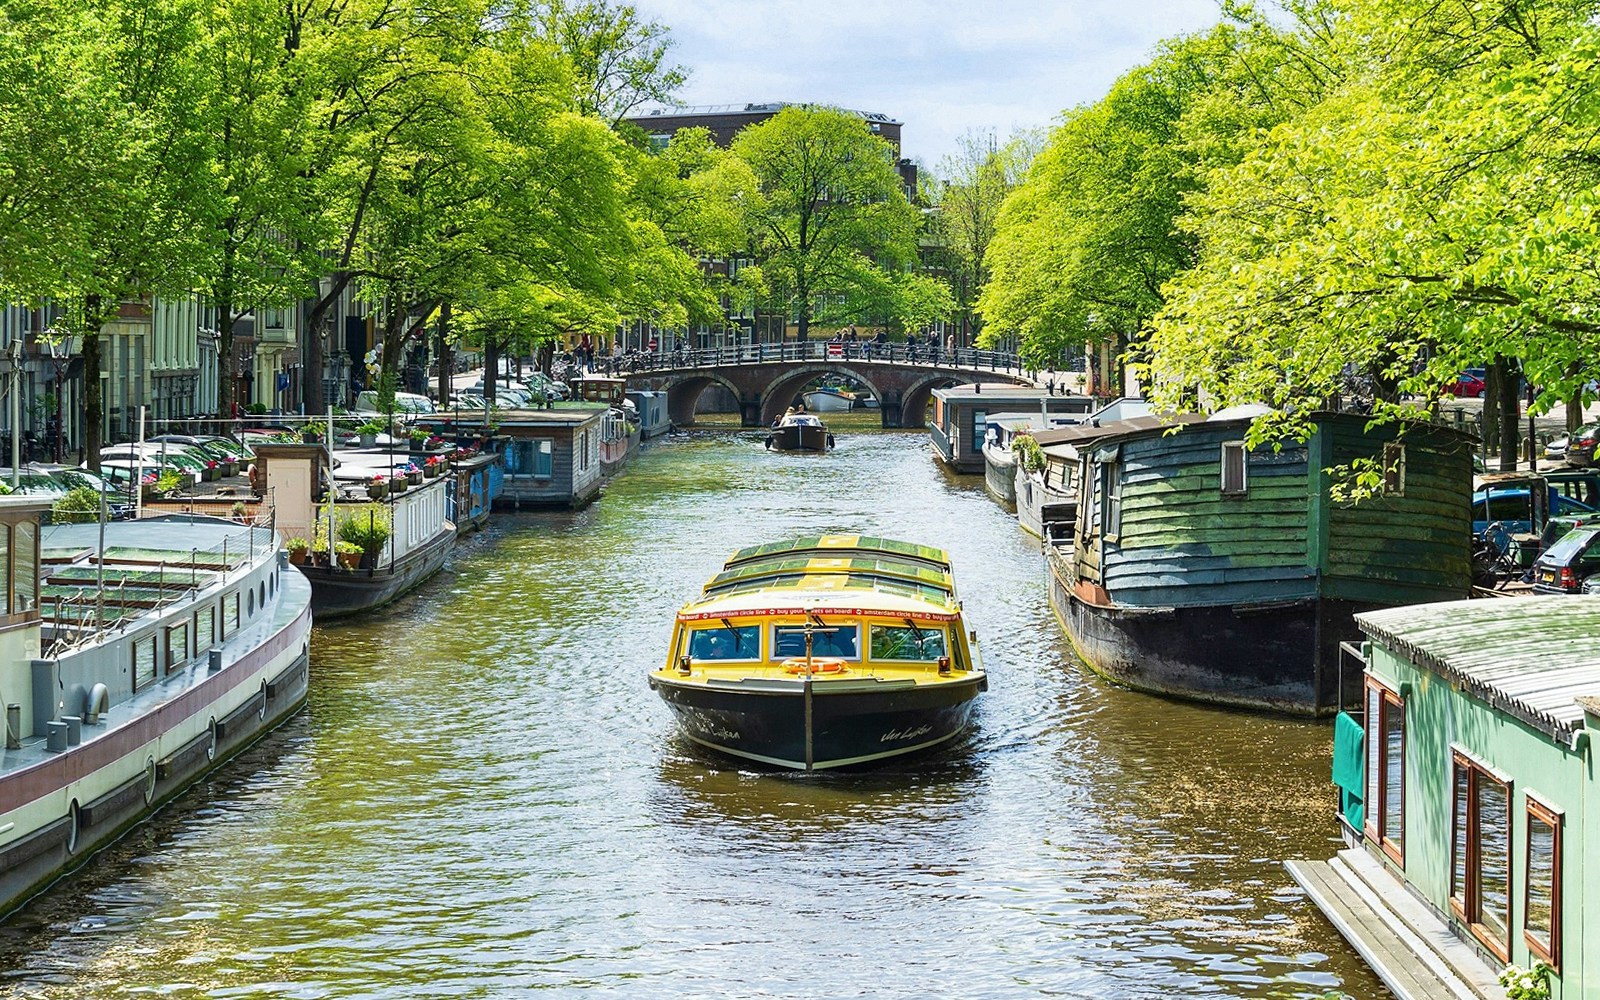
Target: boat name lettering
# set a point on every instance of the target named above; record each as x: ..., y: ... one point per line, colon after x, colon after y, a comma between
x: 765, y: 612
x: 905, y: 734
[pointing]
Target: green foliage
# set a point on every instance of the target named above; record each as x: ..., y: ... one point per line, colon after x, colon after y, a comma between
x: 365, y: 526
x: 297, y: 544
x: 1526, y: 984
x: 80, y: 506
x: 829, y: 217
x: 169, y: 481
x: 1028, y: 453
x: 370, y: 427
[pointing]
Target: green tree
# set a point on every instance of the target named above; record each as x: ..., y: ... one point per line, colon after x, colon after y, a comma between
x: 619, y: 61
x: 830, y: 213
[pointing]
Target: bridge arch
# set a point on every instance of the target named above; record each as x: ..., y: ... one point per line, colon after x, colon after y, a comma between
x: 780, y: 392
x: 683, y: 395
x: 914, y: 402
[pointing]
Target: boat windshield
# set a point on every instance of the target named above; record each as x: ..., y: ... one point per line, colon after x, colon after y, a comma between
x: 802, y: 420
x: 902, y: 642
x: 790, y: 640
x: 722, y: 643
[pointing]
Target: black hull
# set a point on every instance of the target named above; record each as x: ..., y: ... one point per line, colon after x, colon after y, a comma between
x: 847, y: 727
x: 31, y: 864
x: 796, y: 438
x: 1281, y: 656
x: 337, y: 592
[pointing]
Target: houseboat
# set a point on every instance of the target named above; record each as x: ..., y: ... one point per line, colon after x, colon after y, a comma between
x: 961, y: 417
x: 403, y: 528
x: 479, y: 478
x: 1465, y: 778
x: 131, y: 664
x: 1203, y: 568
x: 799, y: 432
x: 550, y: 457
x: 1047, y: 489
x: 999, y: 456
x: 651, y: 407
x: 823, y: 652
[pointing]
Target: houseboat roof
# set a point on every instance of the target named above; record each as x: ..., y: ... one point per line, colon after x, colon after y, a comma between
x: 837, y: 546
x: 1002, y: 394
x: 782, y: 566
x: 1079, y: 433
x: 1532, y: 657
x: 563, y: 414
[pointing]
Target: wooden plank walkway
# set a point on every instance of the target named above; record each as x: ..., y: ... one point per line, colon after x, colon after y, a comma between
x: 1411, y: 951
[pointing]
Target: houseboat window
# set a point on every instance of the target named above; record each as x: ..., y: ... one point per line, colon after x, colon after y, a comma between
x: 722, y: 643
x: 230, y: 614
x: 177, y: 646
x: 144, y: 661
x: 544, y: 463
x: 5, y: 581
x: 1234, y: 482
x: 1394, y: 469
x: 1386, y: 745
x: 1111, y: 526
x: 1541, y: 905
x: 900, y: 642
x: 25, y: 569
x: 1483, y: 809
x: 205, y: 626
x: 979, y: 419
x: 790, y: 640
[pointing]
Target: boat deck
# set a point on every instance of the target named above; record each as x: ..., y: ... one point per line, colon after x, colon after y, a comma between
x: 1409, y: 948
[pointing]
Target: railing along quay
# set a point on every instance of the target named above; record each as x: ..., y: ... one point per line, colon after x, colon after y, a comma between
x: 932, y: 356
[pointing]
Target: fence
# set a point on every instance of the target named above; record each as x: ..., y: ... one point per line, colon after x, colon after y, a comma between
x: 931, y: 355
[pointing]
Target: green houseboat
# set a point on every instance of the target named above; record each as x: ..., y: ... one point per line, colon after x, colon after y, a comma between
x: 1201, y: 567
x: 1469, y: 799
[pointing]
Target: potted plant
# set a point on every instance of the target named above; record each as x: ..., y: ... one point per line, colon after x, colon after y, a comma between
x: 168, y: 483
x: 349, y: 554
x: 367, y: 528
x: 430, y: 468
x: 299, y: 548
x: 238, y: 511
x: 414, y: 474
x: 378, y: 488
x: 419, y: 439
x: 209, y: 473
x: 369, y: 432
x: 397, y: 484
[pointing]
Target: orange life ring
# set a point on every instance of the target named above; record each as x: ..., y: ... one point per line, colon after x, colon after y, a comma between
x: 818, y: 666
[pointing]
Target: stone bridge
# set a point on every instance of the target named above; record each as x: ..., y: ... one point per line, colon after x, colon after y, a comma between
x: 767, y: 378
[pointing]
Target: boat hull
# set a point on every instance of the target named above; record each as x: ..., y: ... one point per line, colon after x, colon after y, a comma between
x: 1000, y: 476
x: 822, y: 401
x: 134, y: 771
x: 337, y: 592
x: 797, y: 437
x: 850, y: 722
x: 1280, y: 656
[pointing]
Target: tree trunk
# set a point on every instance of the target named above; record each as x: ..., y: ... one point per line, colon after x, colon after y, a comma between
x: 445, y: 366
x: 91, y: 382
x: 1510, y: 412
x: 491, y: 364
x: 1492, y: 377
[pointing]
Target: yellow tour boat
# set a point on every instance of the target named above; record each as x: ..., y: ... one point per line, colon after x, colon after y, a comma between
x: 824, y: 651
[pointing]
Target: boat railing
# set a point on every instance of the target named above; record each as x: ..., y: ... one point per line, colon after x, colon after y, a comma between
x: 107, y: 606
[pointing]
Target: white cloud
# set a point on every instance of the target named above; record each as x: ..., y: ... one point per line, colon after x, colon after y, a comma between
x: 943, y: 67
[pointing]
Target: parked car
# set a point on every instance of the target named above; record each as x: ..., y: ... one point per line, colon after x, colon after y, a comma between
x: 407, y: 404
x: 1581, y: 444
x: 1555, y: 449
x: 1569, y: 563
x: 1468, y: 384
x: 1512, y: 506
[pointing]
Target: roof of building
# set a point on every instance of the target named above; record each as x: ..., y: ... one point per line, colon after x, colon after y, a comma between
x: 1079, y: 433
x: 1531, y: 657
x: 754, y: 108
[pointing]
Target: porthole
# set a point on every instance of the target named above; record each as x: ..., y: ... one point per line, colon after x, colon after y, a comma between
x: 249, y: 603
x: 262, y: 599
x: 211, y: 747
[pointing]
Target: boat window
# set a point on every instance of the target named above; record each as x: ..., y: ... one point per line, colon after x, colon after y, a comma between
x: 1541, y: 910
x: 177, y: 646
x: 1483, y: 806
x: 1386, y: 744
x: 900, y: 642
x: 790, y: 640
x: 144, y: 661
x: 25, y: 591
x: 1234, y: 469
x: 205, y: 627
x: 742, y: 642
x: 230, y: 614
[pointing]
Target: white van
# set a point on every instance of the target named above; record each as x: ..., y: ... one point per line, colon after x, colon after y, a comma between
x: 405, y: 404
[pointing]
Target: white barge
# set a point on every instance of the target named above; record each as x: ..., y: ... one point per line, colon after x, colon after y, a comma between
x: 128, y: 669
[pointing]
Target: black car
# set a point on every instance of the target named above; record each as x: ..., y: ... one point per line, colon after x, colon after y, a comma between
x: 1564, y: 566
x: 1581, y: 445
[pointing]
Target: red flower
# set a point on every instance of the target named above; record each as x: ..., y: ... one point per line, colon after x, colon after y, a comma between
x: 377, y: 478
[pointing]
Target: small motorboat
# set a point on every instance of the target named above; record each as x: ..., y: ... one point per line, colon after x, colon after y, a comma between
x: 829, y: 400
x: 823, y: 652
x: 800, y: 432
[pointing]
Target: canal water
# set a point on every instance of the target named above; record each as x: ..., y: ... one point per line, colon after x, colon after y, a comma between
x: 485, y: 800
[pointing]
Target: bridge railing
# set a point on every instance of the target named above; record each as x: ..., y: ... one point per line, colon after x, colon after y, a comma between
x: 931, y: 355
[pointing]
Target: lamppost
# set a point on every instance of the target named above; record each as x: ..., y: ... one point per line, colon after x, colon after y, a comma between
x: 59, y: 339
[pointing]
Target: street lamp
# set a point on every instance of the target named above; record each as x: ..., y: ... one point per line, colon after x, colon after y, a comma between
x: 59, y: 339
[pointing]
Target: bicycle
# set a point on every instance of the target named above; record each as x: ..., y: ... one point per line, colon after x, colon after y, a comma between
x: 1496, y: 557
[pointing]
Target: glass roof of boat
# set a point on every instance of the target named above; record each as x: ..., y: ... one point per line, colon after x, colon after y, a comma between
x: 840, y: 583
x: 840, y: 546
x: 82, y: 574
x: 779, y: 566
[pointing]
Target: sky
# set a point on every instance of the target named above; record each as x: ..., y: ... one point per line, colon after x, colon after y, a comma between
x: 943, y: 67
